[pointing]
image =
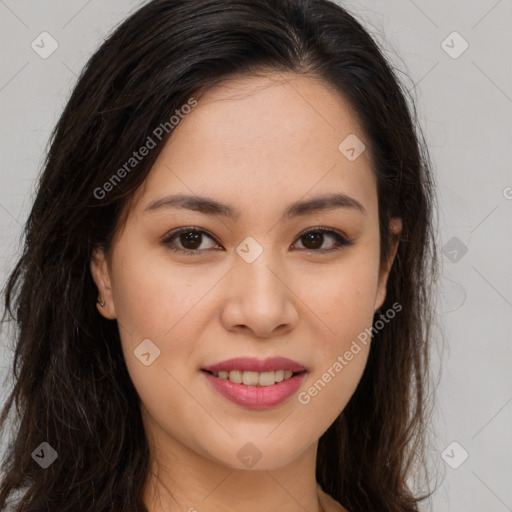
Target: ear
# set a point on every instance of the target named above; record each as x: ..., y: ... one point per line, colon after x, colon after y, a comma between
x: 101, y: 276
x: 395, y: 228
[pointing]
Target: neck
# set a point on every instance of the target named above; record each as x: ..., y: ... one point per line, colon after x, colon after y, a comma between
x: 181, y: 479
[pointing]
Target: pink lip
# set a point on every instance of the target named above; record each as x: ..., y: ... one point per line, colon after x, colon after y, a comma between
x: 256, y: 397
x: 251, y: 364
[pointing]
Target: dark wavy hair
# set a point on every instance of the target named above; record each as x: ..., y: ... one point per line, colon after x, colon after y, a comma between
x: 71, y: 385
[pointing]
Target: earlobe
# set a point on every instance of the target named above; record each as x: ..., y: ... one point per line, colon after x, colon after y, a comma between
x: 101, y: 276
x: 395, y: 228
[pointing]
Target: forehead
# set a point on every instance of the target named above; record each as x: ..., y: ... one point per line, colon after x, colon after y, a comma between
x: 275, y: 134
x: 271, y: 109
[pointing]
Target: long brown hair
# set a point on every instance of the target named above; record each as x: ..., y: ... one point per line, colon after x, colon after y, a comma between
x: 71, y: 385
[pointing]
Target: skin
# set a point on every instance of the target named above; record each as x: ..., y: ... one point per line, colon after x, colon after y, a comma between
x: 258, y: 145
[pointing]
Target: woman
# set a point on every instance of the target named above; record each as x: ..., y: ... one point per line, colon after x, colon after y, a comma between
x: 224, y: 296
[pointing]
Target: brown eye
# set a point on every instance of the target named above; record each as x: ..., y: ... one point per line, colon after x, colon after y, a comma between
x: 314, y: 239
x: 189, y: 239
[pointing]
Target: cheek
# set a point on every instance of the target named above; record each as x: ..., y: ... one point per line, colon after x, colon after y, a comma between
x: 343, y: 297
x: 152, y: 296
x: 156, y: 302
x: 341, y: 352
x: 344, y: 302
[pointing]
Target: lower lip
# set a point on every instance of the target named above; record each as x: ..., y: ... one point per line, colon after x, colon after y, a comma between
x: 257, y: 397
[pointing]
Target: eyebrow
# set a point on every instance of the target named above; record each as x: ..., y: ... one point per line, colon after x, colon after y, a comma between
x: 210, y: 206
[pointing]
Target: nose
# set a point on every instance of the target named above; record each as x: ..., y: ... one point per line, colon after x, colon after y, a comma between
x: 259, y: 298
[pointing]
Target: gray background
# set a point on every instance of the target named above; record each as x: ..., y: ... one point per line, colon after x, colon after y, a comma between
x: 465, y: 106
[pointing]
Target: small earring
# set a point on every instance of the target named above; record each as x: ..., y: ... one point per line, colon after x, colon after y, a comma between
x: 100, y: 302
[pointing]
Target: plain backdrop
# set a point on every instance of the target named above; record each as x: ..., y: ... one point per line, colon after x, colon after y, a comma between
x: 456, y: 58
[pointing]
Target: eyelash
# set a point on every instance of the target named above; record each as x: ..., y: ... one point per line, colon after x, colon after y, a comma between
x: 341, y: 241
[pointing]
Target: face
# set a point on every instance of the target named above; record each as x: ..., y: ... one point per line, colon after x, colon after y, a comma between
x: 288, y: 267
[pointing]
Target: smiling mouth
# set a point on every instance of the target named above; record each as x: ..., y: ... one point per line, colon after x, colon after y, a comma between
x: 256, y: 379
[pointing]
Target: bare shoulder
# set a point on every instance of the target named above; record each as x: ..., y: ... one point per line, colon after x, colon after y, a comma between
x: 328, y: 503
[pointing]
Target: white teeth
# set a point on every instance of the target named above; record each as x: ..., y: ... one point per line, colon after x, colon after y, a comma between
x: 250, y: 378
x: 279, y: 375
x: 266, y: 378
x: 254, y: 378
x: 235, y: 376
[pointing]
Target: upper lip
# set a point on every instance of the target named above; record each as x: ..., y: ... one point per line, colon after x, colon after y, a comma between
x: 252, y: 364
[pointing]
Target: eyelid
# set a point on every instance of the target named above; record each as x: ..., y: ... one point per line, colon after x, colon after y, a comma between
x: 341, y: 239
x: 172, y: 234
